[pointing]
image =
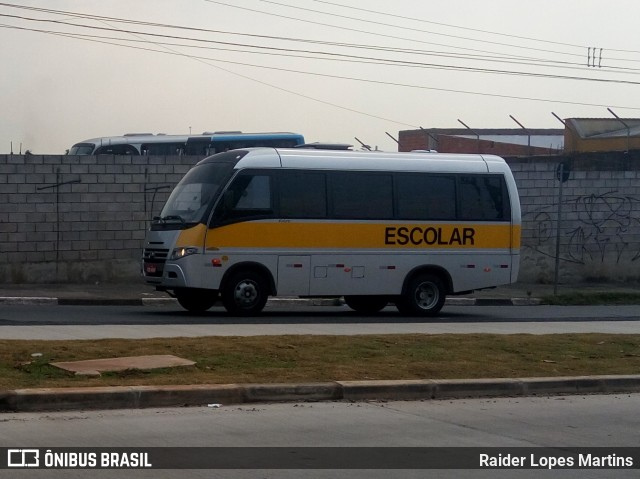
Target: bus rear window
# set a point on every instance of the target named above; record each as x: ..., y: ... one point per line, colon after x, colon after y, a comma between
x: 483, y: 197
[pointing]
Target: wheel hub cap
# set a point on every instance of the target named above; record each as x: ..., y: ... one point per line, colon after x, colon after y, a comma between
x: 427, y: 295
x: 246, y: 293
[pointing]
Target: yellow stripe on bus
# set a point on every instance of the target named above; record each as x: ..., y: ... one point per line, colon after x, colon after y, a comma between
x: 260, y: 234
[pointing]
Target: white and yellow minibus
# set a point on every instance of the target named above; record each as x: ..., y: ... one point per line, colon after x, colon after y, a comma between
x: 372, y: 227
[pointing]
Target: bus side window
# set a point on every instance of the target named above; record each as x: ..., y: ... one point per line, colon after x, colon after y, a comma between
x: 248, y: 196
x: 302, y: 194
x: 482, y: 198
x: 422, y: 196
x: 117, y: 150
x: 361, y: 195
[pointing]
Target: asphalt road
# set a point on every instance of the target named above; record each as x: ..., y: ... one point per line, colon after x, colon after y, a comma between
x: 558, y: 422
x: 87, y: 322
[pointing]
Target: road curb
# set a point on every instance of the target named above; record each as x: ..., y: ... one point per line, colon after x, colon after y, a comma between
x: 10, y: 300
x: 26, y: 300
x: 135, y: 397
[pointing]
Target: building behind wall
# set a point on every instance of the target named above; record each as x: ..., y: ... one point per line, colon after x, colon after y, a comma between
x: 493, y: 141
x: 580, y: 135
x: 601, y: 134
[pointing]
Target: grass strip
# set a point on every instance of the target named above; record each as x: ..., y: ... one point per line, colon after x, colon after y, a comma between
x: 592, y: 299
x: 269, y: 359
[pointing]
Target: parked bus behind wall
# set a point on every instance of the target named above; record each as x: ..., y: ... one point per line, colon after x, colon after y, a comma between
x: 134, y: 144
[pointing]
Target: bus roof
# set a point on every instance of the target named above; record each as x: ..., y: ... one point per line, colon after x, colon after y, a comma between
x: 140, y: 138
x: 369, y: 161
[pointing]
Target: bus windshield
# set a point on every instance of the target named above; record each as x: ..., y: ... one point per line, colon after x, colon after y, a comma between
x: 82, y: 149
x: 191, y: 199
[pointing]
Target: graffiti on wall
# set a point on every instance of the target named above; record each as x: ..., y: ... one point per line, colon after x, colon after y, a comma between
x: 594, y: 228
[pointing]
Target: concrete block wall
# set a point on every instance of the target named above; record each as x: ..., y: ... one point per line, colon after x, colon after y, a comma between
x: 79, y: 218
x: 599, y: 222
x: 83, y: 219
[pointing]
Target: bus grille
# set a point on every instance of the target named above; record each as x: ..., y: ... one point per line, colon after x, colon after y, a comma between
x: 154, y: 260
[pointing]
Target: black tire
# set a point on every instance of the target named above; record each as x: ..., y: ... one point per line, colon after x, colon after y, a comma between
x: 424, y: 296
x: 366, y: 304
x: 196, y: 301
x: 245, y: 293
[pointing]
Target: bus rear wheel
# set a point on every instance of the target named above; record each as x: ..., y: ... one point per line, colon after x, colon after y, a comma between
x: 424, y: 296
x: 196, y: 301
x: 245, y: 293
x: 366, y: 304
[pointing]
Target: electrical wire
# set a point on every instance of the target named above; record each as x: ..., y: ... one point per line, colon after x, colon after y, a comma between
x: 352, y: 57
x: 341, y: 77
x: 372, y: 33
x: 414, y: 29
x: 291, y: 52
x: 502, y: 58
x: 552, y: 42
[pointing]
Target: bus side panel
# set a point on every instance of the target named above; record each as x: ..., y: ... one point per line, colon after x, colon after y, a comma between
x: 498, y: 165
x: 362, y: 257
x: 337, y: 274
x: 385, y: 271
x: 515, y: 252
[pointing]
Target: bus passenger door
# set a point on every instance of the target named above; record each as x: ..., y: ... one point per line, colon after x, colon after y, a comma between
x: 293, y: 275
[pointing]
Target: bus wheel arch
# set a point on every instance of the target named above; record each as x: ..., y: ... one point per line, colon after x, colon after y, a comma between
x: 245, y: 289
x: 424, y: 291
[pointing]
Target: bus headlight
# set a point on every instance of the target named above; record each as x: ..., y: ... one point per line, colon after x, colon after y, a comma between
x: 179, y: 253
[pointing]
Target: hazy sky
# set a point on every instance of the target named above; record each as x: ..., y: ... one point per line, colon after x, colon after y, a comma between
x: 332, y: 70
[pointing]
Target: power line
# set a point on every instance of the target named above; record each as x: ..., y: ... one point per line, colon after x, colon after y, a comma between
x: 499, y: 59
x: 413, y: 29
x: 381, y: 34
x: 365, y: 80
x: 551, y: 42
x: 345, y: 57
x: 252, y: 78
x: 431, y: 22
x: 163, y: 25
x: 377, y: 34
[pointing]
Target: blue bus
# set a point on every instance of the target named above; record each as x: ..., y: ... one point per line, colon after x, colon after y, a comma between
x: 206, y: 144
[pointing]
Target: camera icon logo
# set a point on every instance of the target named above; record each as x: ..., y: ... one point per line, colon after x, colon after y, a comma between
x: 23, y: 458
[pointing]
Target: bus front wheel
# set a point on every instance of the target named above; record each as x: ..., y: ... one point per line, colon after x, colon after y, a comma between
x: 245, y: 293
x: 424, y: 296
